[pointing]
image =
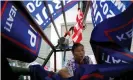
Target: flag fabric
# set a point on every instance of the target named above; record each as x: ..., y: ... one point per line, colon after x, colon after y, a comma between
x: 113, y: 22
x: 40, y: 13
x: 116, y: 29
x: 113, y: 56
x: 77, y: 36
x: 103, y: 10
x: 15, y: 25
x: 112, y: 32
x: 39, y: 73
x: 84, y: 72
x: 102, y: 71
x: 111, y: 37
x: 19, y: 40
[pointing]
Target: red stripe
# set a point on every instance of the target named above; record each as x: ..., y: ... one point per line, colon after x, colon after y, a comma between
x: 21, y: 45
x: 126, y: 54
x: 84, y: 77
x: 79, y: 24
x: 96, y: 75
x: 3, y: 8
x: 118, y: 28
x: 65, y: 6
x: 115, y: 29
x: 79, y: 38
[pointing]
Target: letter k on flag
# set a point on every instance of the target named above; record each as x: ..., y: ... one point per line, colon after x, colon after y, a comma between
x: 77, y: 36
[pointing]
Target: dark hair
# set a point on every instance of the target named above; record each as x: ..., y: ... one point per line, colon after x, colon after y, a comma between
x: 75, y: 45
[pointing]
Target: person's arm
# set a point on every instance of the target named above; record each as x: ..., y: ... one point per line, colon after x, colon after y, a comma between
x: 67, y: 71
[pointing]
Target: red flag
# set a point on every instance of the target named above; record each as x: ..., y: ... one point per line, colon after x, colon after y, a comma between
x: 77, y: 36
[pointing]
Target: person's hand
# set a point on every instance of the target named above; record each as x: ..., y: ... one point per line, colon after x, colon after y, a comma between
x: 64, y: 73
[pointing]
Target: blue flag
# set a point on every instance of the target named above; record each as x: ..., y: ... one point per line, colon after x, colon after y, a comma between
x: 19, y: 40
x: 112, y: 35
x: 102, y: 71
x: 102, y: 10
x: 115, y: 30
x: 84, y: 72
x: 38, y: 10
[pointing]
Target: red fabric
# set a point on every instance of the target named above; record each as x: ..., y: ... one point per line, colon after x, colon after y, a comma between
x: 77, y: 36
x: 88, y: 76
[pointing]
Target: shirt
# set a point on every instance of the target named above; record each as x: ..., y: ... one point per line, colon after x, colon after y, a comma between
x: 72, y: 65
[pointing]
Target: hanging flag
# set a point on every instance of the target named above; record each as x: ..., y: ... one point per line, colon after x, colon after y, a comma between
x: 77, y: 36
x: 39, y: 12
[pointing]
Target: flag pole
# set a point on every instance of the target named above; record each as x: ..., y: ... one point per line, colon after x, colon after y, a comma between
x: 51, y: 18
x: 64, y: 15
x: 86, y: 12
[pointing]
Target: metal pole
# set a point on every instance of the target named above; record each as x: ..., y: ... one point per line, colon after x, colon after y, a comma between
x: 30, y: 19
x: 51, y: 18
x: 64, y: 54
x: 48, y: 57
x: 79, y: 4
x: 64, y: 15
x: 63, y: 50
x: 54, y: 61
x: 50, y: 54
x: 86, y: 11
x: 41, y: 58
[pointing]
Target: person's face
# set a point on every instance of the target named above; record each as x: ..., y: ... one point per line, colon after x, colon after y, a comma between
x: 79, y: 53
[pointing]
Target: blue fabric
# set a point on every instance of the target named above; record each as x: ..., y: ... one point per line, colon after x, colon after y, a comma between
x: 40, y: 13
x: 111, y: 37
x: 38, y: 73
x: 101, y: 71
x: 128, y: 57
x: 103, y: 10
x: 84, y: 72
x: 21, y: 42
x: 113, y: 28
